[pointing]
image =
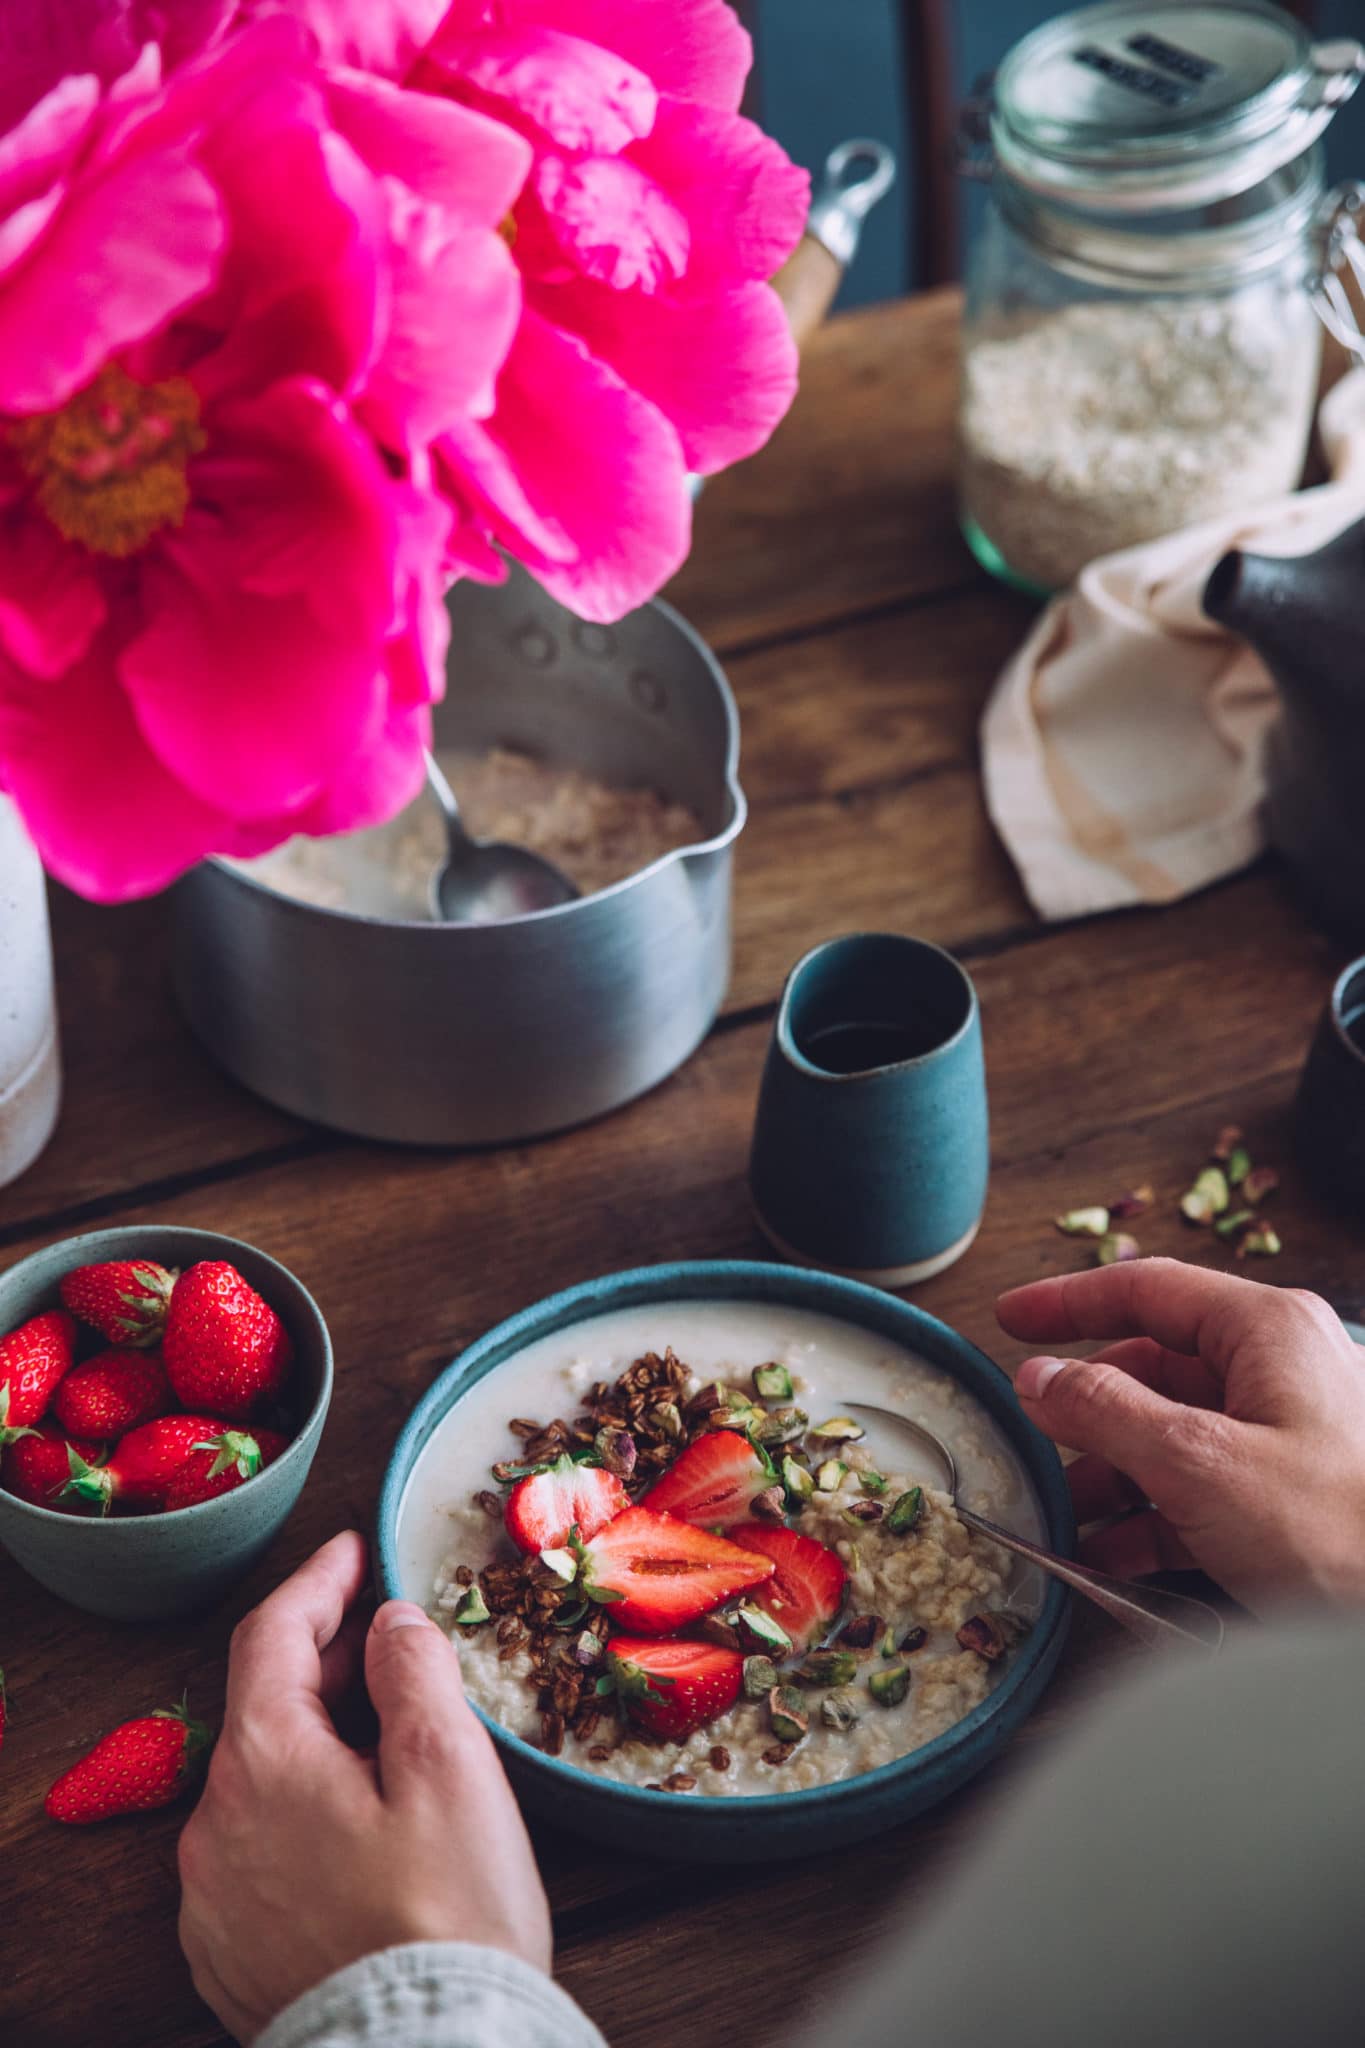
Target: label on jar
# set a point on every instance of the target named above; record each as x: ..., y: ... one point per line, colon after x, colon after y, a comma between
x: 1136, y: 78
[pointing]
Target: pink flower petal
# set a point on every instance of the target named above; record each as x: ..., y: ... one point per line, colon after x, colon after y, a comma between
x: 695, y: 49
x: 123, y: 255
x: 582, y: 97
x: 51, y: 605
x: 43, y: 42
x: 722, y: 369
x: 376, y: 781
x: 473, y: 165
x: 573, y: 460
x: 416, y: 649
x: 45, y: 142
x: 744, y: 200
x: 374, y: 35
x: 612, y: 221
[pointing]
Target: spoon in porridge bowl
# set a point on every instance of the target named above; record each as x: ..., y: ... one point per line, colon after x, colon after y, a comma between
x: 483, y: 881
x: 1155, y: 1616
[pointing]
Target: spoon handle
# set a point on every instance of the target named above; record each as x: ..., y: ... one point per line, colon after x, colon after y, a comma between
x: 1153, y: 1615
x: 445, y: 796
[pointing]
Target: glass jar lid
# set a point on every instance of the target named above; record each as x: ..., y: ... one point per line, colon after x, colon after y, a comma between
x: 1126, y: 106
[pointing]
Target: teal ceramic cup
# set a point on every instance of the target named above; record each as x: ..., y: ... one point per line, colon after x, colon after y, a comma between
x: 155, y: 1567
x: 871, y: 1143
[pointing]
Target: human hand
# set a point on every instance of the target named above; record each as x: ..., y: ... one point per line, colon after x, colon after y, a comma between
x: 303, y: 1856
x: 1228, y: 1415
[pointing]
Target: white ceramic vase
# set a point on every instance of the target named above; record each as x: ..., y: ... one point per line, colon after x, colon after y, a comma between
x: 30, y: 1066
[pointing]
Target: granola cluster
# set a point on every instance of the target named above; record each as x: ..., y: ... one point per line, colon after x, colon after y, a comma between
x: 564, y: 1638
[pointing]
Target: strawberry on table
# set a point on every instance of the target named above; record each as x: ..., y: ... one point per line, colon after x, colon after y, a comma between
x: 225, y: 1348
x: 141, y: 1467
x: 33, y: 1360
x: 806, y: 1589
x: 670, y: 1689
x: 222, y: 1463
x: 138, y: 1766
x: 37, y: 1467
x: 656, y: 1573
x: 124, y: 1299
x: 112, y: 1393
x: 715, y: 1481
x: 542, y: 1508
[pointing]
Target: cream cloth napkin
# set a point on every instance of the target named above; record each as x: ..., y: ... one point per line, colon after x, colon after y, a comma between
x: 1122, y: 747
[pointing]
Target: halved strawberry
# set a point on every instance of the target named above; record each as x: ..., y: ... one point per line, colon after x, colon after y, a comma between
x: 714, y: 1482
x: 671, y: 1688
x: 543, y: 1508
x: 658, y: 1573
x: 806, y: 1589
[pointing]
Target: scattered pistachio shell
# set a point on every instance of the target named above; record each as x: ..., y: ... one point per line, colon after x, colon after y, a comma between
x: 782, y: 1426
x: 864, y: 1511
x: 830, y: 1477
x: 906, y: 1512
x: 914, y: 1639
x: 990, y: 1635
x: 760, y: 1676
x: 889, y: 1685
x: 828, y: 1667
x: 1234, y: 1222
x: 860, y: 1633
x: 840, y: 1429
x: 1134, y: 1203
x: 873, y: 1483
x: 1115, y: 1248
x: 772, y: 1383
x: 1238, y: 1165
x: 1208, y: 1198
x: 668, y: 1418
x: 1227, y: 1141
x: 562, y: 1563
x: 1092, y: 1222
x: 798, y: 1481
x: 472, y: 1609
x: 837, y: 1710
x: 757, y: 1628
x: 788, y: 1714
x: 1261, y: 1241
x: 1260, y: 1182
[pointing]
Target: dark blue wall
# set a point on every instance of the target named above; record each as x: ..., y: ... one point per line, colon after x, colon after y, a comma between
x: 830, y: 69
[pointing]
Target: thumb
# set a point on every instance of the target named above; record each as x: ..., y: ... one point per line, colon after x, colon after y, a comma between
x: 1089, y: 1405
x: 412, y: 1674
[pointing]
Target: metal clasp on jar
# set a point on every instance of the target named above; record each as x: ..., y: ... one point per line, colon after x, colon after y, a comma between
x: 1340, y: 251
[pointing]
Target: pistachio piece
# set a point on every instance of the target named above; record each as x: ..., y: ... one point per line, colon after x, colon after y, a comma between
x: 743, y: 1419
x: 1208, y: 1198
x: 860, y: 1633
x: 668, y: 1417
x: 837, y: 1710
x: 562, y: 1563
x: 1235, y: 1222
x: 782, y: 1426
x: 1226, y: 1143
x: 864, y: 1511
x: 914, y: 1639
x: 1260, y: 1182
x: 1092, y: 1222
x: 772, y: 1382
x: 830, y: 1477
x: 873, y: 1483
x: 472, y: 1609
x: 759, y: 1678
x: 1238, y: 1165
x: 758, y: 1630
x: 828, y: 1667
x: 1134, y: 1203
x: 889, y: 1643
x: 840, y: 1429
x: 787, y: 1714
x: 990, y: 1635
x: 905, y: 1512
x: 719, y: 1629
x: 1261, y: 1241
x: 1115, y: 1248
x: 587, y: 1649
x: 889, y: 1685
x: 770, y: 1505
x: 616, y: 1451
x: 800, y: 1483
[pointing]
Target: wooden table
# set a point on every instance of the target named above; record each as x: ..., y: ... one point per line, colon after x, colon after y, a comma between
x: 861, y: 641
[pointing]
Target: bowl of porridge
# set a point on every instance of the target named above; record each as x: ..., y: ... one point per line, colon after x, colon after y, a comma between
x: 703, y: 1599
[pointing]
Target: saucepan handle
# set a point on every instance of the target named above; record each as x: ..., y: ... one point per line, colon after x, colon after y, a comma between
x: 855, y: 176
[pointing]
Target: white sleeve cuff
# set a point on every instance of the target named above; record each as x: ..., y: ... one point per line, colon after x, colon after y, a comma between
x: 433, y: 1994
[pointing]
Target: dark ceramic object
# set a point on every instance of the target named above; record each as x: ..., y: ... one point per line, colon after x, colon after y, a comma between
x: 1305, y: 617
x: 154, y: 1567
x: 781, y: 1824
x: 878, y: 1172
x: 1329, y: 1115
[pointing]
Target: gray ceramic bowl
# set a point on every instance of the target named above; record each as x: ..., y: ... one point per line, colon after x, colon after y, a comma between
x: 153, y: 1567
x: 753, y: 1829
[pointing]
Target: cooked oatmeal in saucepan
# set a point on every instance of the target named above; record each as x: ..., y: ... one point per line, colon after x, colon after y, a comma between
x: 800, y: 1604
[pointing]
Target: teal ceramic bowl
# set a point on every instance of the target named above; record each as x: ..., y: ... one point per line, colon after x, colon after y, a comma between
x: 154, y: 1567
x: 754, y: 1829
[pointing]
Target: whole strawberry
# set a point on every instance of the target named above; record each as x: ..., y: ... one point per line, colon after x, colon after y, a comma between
x: 142, y: 1465
x: 37, y: 1467
x: 113, y: 1393
x: 124, y: 1299
x: 225, y: 1348
x: 225, y: 1462
x: 140, y: 1765
x: 33, y: 1359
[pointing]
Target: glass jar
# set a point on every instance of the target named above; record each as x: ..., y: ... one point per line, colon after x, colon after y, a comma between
x: 1146, y: 295
x: 30, y: 1072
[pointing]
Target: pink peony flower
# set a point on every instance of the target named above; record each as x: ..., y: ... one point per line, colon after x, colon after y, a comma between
x: 222, y: 299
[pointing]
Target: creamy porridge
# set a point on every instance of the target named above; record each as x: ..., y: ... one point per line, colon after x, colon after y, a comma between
x: 929, y: 1608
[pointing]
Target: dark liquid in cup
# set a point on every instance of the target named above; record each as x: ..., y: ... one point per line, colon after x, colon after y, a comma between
x: 854, y: 1048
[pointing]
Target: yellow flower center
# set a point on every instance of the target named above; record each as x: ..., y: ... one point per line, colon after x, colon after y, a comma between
x: 109, y: 465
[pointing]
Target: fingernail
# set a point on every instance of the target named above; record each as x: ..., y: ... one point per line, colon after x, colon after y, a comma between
x: 400, y: 1614
x: 1035, y: 1375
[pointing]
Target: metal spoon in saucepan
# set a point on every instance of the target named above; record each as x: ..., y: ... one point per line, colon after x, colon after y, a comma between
x: 483, y: 881
x: 1155, y: 1616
